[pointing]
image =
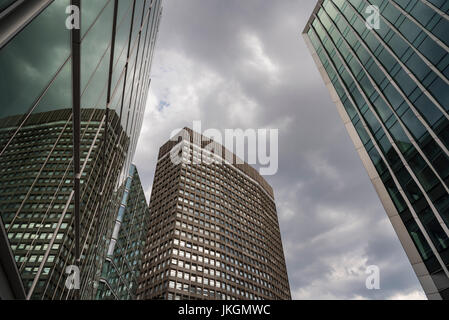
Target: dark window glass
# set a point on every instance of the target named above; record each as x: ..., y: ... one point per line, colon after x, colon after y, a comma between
x: 372, y: 121
x: 413, y: 124
x: 393, y: 96
x: 440, y: 30
x: 32, y: 59
x: 432, y: 51
x: 405, y: 82
x: 418, y: 67
x: 95, y: 60
x: 121, y: 41
x: 382, y: 109
x: 428, y: 109
x: 59, y: 95
x: 440, y: 90
x: 409, y: 30
x: 433, y: 228
x: 422, y: 13
x: 442, y: 206
x: 137, y: 20
x: 441, y: 164
x: 395, y: 195
x: 391, y: 13
x: 418, y: 238
x: 442, y: 4
x: 400, y: 138
x: 387, y: 60
x: 5, y: 4
x: 90, y: 11
x: 398, y: 45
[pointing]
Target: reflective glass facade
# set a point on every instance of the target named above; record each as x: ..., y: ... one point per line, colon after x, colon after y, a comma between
x: 11, y: 284
x: 214, y: 232
x: 391, y: 88
x: 121, y: 269
x: 72, y: 104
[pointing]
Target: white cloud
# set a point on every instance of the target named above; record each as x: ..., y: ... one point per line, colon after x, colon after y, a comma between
x: 413, y: 295
x: 257, y: 58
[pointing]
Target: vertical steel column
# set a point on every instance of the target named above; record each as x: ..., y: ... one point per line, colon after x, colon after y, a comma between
x: 127, y: 59
x: 111, y: 62
x: 76, y: 107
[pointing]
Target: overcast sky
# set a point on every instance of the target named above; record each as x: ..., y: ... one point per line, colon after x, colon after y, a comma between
x: 243, y: 64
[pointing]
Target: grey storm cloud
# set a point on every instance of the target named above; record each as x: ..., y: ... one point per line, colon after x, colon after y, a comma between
x: 243, y: 64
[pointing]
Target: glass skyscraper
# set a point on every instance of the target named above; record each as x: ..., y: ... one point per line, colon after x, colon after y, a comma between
x: 390, y: 82
x: 72, y: 103
x: 124, y: 258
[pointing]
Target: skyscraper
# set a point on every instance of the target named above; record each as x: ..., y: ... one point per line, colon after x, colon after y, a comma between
x: 386, y: 65
x: 214, y: 232
x: 124, y: 258
x: 72, y: 102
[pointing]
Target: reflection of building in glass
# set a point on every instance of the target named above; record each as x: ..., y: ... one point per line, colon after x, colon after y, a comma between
x: 123, y: 262
x: 391, y: 88
x: 214, y: 231
x: 72, y: 104
x: 11, y: 284
x: 37, y: 192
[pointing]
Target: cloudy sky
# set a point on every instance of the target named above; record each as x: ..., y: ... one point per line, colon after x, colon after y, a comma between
x: 243, y: 64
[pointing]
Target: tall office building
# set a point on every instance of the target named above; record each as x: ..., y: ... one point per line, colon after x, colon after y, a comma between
x: 214, y: 231
x: 390, y: 81
x: 121, y: 269
x: 72, y: 102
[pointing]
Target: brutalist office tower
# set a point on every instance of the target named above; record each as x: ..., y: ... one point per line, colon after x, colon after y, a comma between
x: 389, y: 78
x: 73, y: 85
x: 214, y: 231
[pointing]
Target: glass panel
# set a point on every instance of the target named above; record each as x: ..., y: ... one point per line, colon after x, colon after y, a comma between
x: 121, y: 41
x: 94, y: 57
x: 31, y: 60
x: 90, y: 11
x: 5, y: 4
